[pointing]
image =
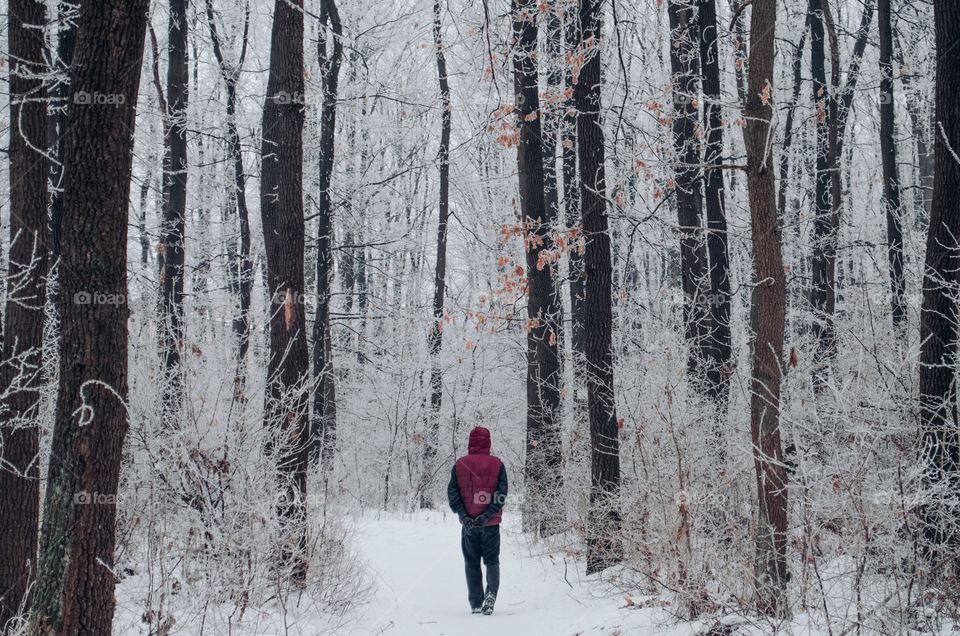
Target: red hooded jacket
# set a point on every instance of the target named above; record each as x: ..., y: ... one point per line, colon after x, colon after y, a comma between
x: 478, y: 481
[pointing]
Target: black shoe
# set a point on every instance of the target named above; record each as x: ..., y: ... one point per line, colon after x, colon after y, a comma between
x: 488, y: 602
x: 475, y: 610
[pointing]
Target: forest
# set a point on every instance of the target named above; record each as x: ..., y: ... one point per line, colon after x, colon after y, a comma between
x: 691, y: 266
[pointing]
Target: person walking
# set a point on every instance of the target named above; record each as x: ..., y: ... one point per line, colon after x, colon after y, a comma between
x: 477, y: 493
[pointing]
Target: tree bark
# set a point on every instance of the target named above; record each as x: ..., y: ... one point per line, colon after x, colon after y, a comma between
x: 719, y: 349
x: 66, y: 40
x: 891, y: 174
x: 435, y: 337
x: 939, y: 441
x: 769, y: 296
x: 604, y: 519
x: 323, y: 425
x: 281, y: 209
x: 21, y: 373
x: 74, y: 593
x: 171, y: 260
x: 684, y: 59
x: 544, y: 457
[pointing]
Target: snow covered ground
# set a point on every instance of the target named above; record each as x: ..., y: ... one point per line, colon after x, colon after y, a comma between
x: 420, y: 588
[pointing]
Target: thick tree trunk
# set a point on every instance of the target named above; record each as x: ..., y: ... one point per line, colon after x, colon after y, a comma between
x: 544, y: 458
x: 769, y: 295
x: 719, y: 347
x: 22, y: 369
x: 323, y: 424
x: 891, y: 174
x: 281, y: 209
x: 435, y: 337
x: 940, y: 442
x: 684, y: 58
x: 243, y: 265
x: 171, y: 261
x: 604, y: 519
x: 74, y: 593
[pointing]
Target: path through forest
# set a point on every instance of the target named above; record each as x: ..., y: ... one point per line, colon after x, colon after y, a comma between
x: 418, y: 570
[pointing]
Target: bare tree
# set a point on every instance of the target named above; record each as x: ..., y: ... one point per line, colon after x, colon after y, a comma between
x: 769, y: 296
x: 939, y: 441
x: 21, y: 372
x: 891, y: 173
x: 323, y: 425
x: 435, y: 337
x: 281, y: 210
x: 544, y: 457
x: 603, y: 532
x: 74, y: 592
x: 171, y: 260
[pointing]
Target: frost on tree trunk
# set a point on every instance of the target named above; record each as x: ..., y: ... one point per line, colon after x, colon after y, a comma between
x: 718, y: 347
x: 74, y: 593
x: 171, y: 258
x: 544, y: 458
x: 769, y: 296
x: 21, y: 373
x: 281, y: 209
x: 604, y: 518
x: 688, y: 185
x: 435, y: 336
x: 940, y: 442
x: 323, y: 424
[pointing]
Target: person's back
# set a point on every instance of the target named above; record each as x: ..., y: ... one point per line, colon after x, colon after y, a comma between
x: 477, y: 492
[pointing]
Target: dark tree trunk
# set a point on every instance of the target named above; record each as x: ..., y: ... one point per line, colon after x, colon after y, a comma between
x: 940, y: 442
x: 22, y: 371
x: 243, y: 265
x: 603, y: 532
x: 66, y: 39
x: 796, y: 68
x: 719, y: 345
x: 281, y: 209
x: 689, y: 187
x: 435, y: 337
x: 323, y: 425
x: 74, y: 593
x: 171, y: 260
x: 891, y: 174
x: 544, y: 458
x: 823, y: 267
x: 769, y: 296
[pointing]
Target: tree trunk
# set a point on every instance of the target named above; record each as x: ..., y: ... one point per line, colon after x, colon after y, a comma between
x: 74, y: 593
x: 603, y: 524
x: 22, y: 371
x: 323, y: 425
x: 435, y: 337
x: 823, y: 268
x: 719, y: 342
x: 281, y: 209
x: 769, y: 295
x: 171, y: 261
x: 243, y: 265
x: 544, y: 457
x: 684, y: 58
x: 66, y: 40
x: 940, y: 442
x: 891, y: 174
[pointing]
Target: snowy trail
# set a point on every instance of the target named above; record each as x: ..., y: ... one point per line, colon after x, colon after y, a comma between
x: 418, y: 570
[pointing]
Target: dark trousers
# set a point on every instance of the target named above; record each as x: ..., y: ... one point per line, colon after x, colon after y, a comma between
x: 480, y: 543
